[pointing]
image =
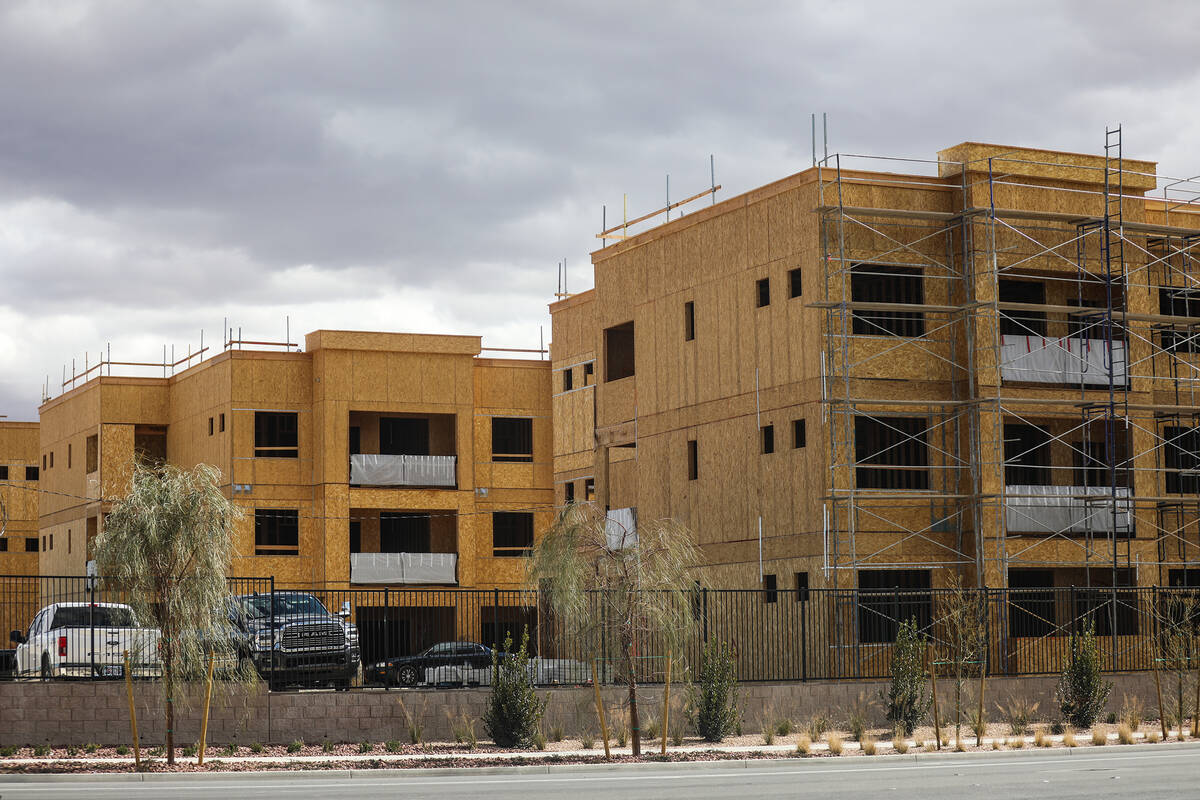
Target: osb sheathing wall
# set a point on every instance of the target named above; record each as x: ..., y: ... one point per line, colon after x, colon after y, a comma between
x: 705, y: 389
x: 18, y: 450
x: 339, y: 374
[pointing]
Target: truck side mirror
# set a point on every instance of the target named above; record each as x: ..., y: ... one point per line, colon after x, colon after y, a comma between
x: 345, y: 612
x: 16, y: 637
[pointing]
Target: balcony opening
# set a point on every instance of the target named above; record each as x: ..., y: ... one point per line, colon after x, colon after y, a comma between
x: 884, y: 283
x: 1058, y: 481
x: 394, y: 449
x: 618, y: 352
x: 403, y: 546
x: 1024, y: 321
x: 1026, y: 455
x: 1181, y: 456
x: 891, y: 452
x: 92, y: 453
x: 1182, y: 337
x: 276, y: 532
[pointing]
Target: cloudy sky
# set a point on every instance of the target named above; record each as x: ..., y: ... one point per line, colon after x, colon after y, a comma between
x: 424, y: 166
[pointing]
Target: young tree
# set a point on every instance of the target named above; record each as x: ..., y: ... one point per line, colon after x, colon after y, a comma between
x: 609, y: 583
x: 907, y: 698
x: 963, y: 617
x: 168, y: 546
x: 1082, y: 692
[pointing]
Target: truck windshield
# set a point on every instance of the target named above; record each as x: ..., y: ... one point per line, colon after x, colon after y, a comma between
x: 286, y: 605
x: 100, y: 616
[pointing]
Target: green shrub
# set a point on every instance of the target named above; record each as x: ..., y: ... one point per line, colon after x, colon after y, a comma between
x: 8, y: 752
x: 716, y: 700
x: 41, y: 751
x: 122, y: 750
x: 393, y: 745
x: 90, y: 748
x: 365, y: 747
x: 256, y: 748
x: 189, y: 751
x: 326, y: 746
x: 514, y: 711
x: 907, y: 700
x: 294, y: 747
x: 1082, y: 691
x: 72, y: 750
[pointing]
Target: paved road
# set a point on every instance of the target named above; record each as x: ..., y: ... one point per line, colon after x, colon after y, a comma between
x: 1142, y: 772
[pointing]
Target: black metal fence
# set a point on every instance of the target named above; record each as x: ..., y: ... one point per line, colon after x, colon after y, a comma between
x: 70, y: 627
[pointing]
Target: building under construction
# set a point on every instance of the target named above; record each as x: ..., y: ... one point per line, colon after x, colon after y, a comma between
x: 883, y: 373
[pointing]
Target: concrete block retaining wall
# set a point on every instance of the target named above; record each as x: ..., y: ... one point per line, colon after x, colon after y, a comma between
x: 78, y: 713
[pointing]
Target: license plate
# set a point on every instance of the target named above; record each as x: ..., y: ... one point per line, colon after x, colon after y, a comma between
x: 112, y: 670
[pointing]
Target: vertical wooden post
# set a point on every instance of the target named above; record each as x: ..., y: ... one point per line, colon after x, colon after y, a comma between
x: 1162, y: 717
x: 600, y: 712
x: 137, y: 750
x: 666, y: 718
x: 204, y: 719
x: 931, y: 667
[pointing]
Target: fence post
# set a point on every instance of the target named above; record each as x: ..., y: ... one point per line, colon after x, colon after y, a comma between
x: 92, y: 624
x: 704, y: 602
x: 495, y: 618
x: 1113, y: 632
x: 803, y: 637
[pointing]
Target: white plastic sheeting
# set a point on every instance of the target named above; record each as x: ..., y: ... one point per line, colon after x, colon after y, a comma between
x: 1066, y: 360
x: 370, y: 469
x: 1065, y: 509
x: 621, y: 528
x: 403, y: 567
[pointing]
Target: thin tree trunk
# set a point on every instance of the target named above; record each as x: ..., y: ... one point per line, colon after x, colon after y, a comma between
x: 168, y: 662
x: 635, y: 734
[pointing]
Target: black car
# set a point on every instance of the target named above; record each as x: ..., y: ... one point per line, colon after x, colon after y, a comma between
x: 410, y: 670
x: 295, y: 641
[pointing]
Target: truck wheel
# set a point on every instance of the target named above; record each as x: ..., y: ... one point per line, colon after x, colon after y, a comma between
x: 406, y: 676
x: 47, y: 673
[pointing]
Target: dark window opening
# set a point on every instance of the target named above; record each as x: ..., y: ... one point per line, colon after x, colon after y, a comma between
x: 1026, y: 455
x: 887, y: 597
x: 1091, y: 464
x: 276, y: 532
x: 211, y: 426
x: 355, y: 440
x: 589, y: 490
x: 1022, y: 322
x: 222, y: 425
x: 878, y: 283
x: 512, y: 439
x: 568, y: 379
x: 1031, y: 602
x: 693, y: 460
x: 92, y: 453
x: 801, y: 587
x: 1187, y: 578
x: 31, y: 544
x: 512, y: 533
x: 891, y: 452
x: 618, y: 352
x: 799, y: 436
x: 52, y: 541
x: 770, y: 589
x: 1095, y: 606
x: 355, y: 536
x: 795, y: 283
x: 1181, y: 450
x: 768, y: 439
x: 3, y: 544
x: 569, y: 491
x: 69, y: 454
x: 31, y: 473
x: 276, y: 434
x: 689, y: 321
x: 589, y: 373
x: 762, y: 288
x: 1180, y: 303
x: 3, y: 473
x: 149, y: 444
x: 403, y: 436
x: 69, y: 542
x: 404, y: 532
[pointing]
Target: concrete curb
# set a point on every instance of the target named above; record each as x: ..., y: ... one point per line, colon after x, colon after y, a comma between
x: 550, y: 769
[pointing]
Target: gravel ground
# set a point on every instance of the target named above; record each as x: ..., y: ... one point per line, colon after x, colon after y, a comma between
x: 441, y: 754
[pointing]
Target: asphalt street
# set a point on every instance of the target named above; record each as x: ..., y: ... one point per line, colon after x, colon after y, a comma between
x: 1114, y: 772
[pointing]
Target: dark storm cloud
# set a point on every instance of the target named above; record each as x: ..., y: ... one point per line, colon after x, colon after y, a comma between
x: 427, y: 164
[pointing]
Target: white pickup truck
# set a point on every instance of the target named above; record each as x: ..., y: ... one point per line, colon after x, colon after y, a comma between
x: 86, y: 640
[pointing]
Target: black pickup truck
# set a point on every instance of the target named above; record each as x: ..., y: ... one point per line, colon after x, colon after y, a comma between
x: 295, y: 641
